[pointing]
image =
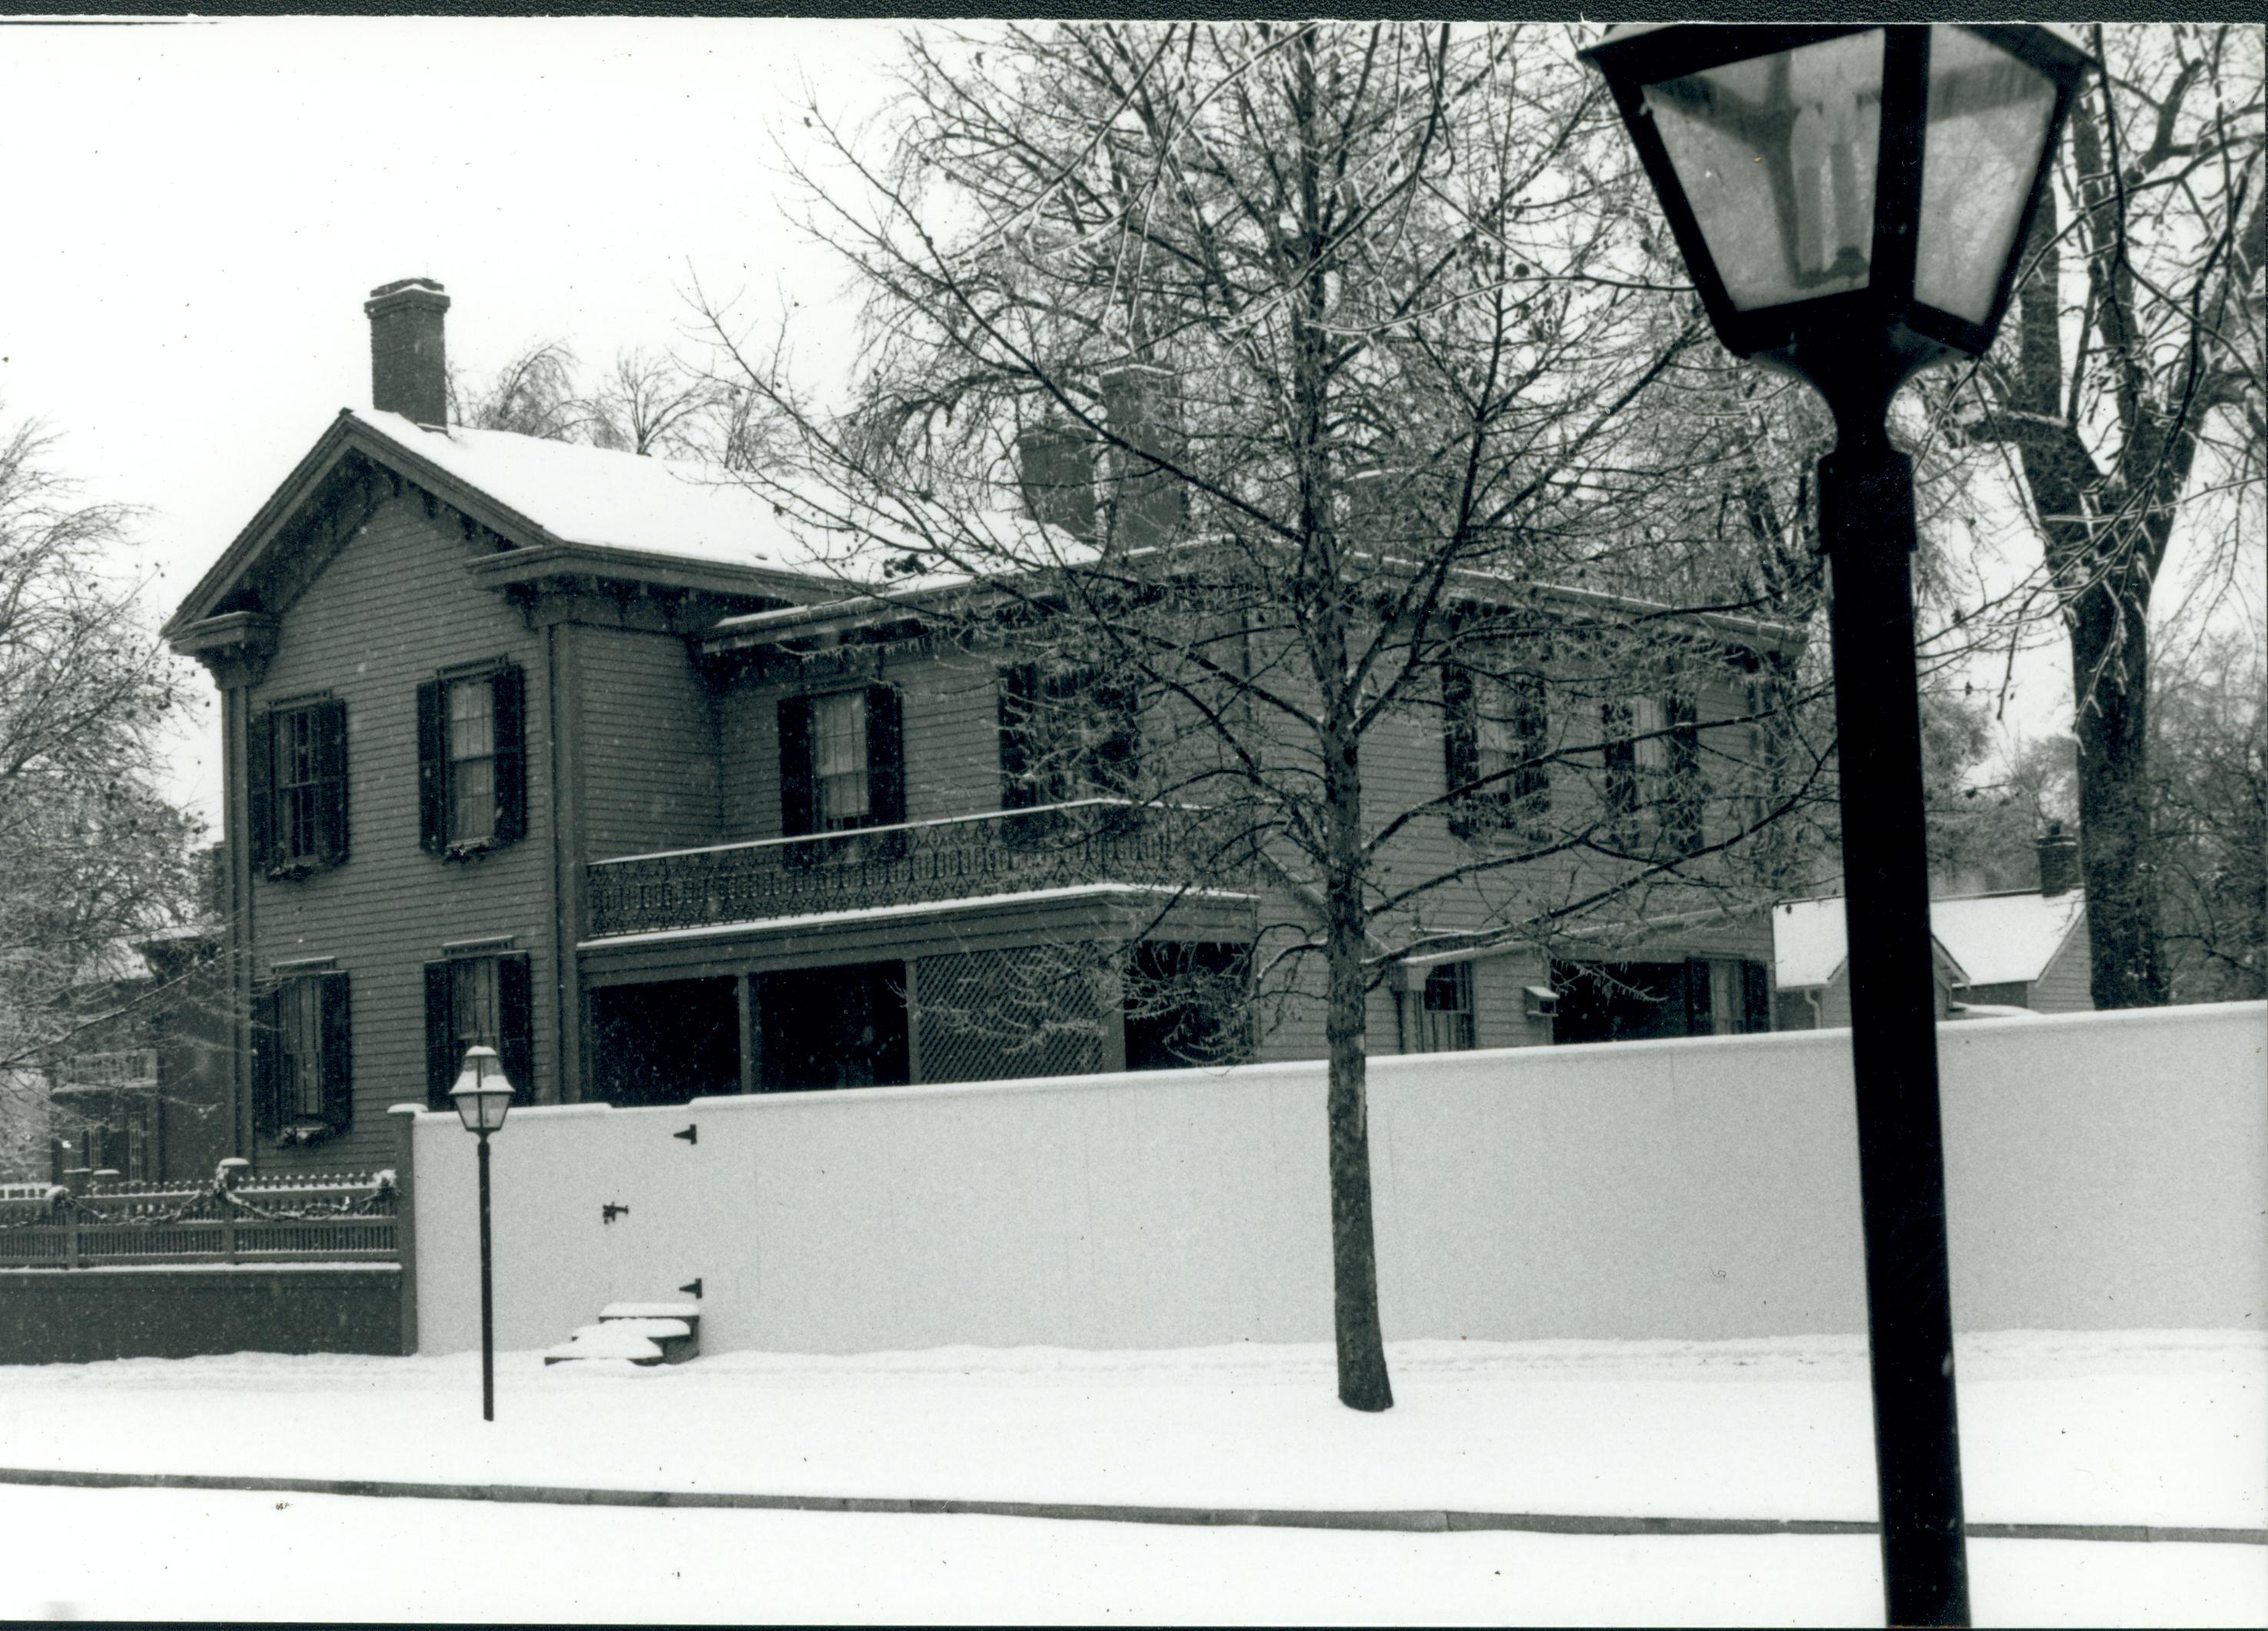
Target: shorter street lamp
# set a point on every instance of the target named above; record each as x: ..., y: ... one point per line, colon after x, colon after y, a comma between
x: 1851, y: 202
x: 482, y: 1095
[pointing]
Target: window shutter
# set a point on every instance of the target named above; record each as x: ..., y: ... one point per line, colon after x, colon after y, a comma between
x: 432, y: 770
x: 260, y: 788
x: 795, y: 766
x: 338, y: 1053
x: 267, y: 1112
x: 1117, y: 765
x: 516, y: 1022
x: 1020, y: 686
x: 509, y: 699
x: 440, y: 1037
x: 1461, y: 744
x: 331, y: 796
x: 1621, y: 757
x: 886, y: 757
x: 1755, y: 998
x: 1698, y: 1020
x: 1685, y: 789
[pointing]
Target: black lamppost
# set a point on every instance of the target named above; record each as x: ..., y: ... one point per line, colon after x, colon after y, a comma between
x: 482, y: 1095
x: 1851, y: 202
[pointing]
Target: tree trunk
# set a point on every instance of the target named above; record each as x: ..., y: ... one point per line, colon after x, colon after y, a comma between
x: 1362, y: 1384
x: 2109, y: 662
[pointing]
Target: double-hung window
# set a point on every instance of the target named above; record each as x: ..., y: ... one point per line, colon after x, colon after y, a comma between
x: 297, y: 792
x: 304, y: 1058
x: 1445, y: 1010
x: 1653, y: 764
x: 1066, y: 732
x: 841, y: 792
x: 480, y: 998
x: 471, y: 761
x: 842, y: 762
x: 1498, y: 742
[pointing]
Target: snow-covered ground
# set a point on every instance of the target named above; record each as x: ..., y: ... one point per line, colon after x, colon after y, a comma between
x: 139, y: 1555
x: 2165, y: 1427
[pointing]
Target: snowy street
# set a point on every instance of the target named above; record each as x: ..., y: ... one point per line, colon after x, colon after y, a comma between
x: 326, y: 1557
x: 2164, y: 1429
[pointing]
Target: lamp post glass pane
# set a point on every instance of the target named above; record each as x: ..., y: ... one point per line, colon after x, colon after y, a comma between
x: 1987, y: 125
x: 1808, y: 122
x: 482, y: 1093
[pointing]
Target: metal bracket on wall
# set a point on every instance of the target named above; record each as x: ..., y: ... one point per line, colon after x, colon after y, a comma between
x: 691, y: 1135
x: 692, y: 1289
x: 609, y: 1212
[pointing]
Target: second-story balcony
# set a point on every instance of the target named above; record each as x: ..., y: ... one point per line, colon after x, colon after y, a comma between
x: 1084, y: 842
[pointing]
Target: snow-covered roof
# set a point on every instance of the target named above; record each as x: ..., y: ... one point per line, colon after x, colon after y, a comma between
x: 611, y: 500
x: 1809, y: 948
x: 1808, y: 944
x: 2004, y: 938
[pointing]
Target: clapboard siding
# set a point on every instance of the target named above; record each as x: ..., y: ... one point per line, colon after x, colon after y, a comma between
x: 646, y: 756
x: 2067, y: 985
x: 391, y: 609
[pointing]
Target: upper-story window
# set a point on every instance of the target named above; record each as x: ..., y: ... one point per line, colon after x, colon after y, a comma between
x: 472, y: 759
x: 472, y: 762
x: 1066, y: 733
x: 842, y: 761
x: 298, y: 793
x: 1652, y: 755
x: 842, y: 791
x: 1497, y: 738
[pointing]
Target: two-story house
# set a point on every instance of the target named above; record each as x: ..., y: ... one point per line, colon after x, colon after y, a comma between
x: 584, y: 756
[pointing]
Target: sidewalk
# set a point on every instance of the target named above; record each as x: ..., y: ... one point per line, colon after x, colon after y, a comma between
x: 2116, y: 1429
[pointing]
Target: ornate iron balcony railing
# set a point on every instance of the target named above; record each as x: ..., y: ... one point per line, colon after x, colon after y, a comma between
x: 1093, y: 840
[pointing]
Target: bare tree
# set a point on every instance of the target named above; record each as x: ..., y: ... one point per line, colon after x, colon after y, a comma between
x: 649, y: 404
x: 2130, y: 399
x: 1319, y: 348
x: 2209, y: 775
x: 535, y: 394
x: 90, y: 856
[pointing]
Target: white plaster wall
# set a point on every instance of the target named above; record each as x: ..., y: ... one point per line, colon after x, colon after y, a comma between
x: 2105, y: 1171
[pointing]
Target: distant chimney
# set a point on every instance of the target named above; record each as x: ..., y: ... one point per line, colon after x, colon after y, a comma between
x: 1150, y: 505
x: 409, y: 371
x: 2058, y: 862
x: 1055, y: 466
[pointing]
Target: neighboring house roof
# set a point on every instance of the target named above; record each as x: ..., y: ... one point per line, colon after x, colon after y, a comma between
x: 1809, y: 949
x: 2000, y: 938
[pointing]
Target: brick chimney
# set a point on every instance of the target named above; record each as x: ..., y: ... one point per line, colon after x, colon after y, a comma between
x: 1149, y: 505
x: 2058, y: 862
x: 409, y: 370
x: 1055, y: 466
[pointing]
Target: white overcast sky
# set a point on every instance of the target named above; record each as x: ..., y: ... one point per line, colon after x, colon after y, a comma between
x: 195, y: 213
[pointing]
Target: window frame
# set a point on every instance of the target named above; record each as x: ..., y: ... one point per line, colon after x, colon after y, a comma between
x: 439, y: 790
x: 1452, y: 1029
x: 297, y: 820
x: 303, y: 1028
x: 508, y: 973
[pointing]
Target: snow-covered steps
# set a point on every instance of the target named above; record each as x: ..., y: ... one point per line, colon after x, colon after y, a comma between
x: 644, y: 1334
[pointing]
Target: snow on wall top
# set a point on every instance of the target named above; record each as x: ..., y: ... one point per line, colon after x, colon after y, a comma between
x: 614, y: 499
x: 2003, y: 938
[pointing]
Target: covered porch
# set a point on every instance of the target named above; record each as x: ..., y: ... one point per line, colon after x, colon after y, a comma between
x: 1069, y: 979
